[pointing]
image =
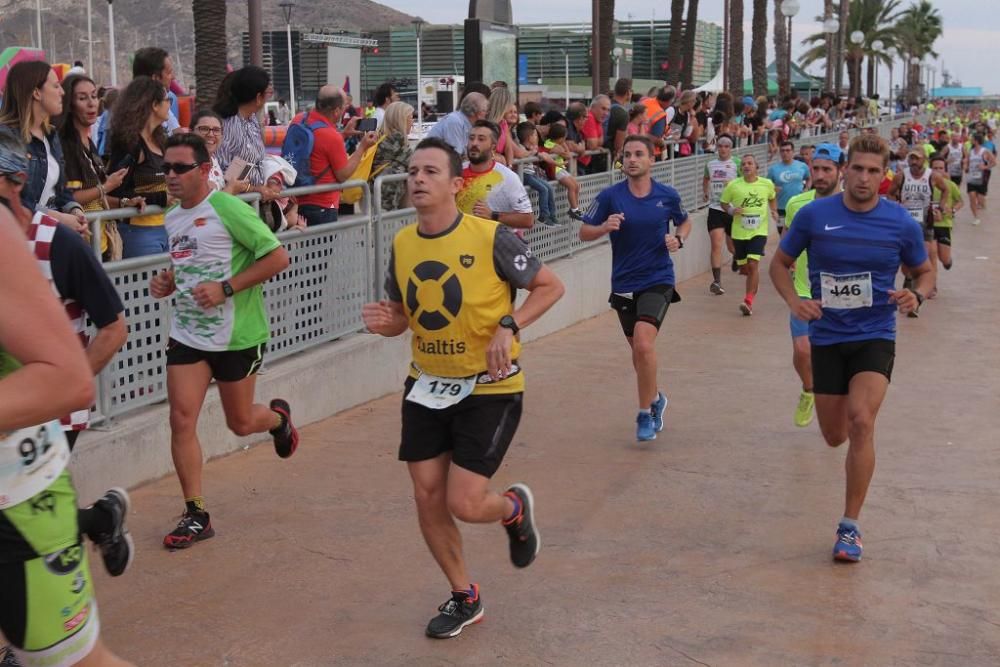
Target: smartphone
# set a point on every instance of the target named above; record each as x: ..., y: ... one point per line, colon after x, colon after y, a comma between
x: 367, y: 125
x: 126, y: 162
x: 238, y: 170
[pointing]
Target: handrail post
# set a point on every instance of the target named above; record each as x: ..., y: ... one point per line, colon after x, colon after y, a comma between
x: 95, y: 236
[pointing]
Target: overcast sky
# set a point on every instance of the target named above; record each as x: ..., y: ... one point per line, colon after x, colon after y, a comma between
x: 969, y: 49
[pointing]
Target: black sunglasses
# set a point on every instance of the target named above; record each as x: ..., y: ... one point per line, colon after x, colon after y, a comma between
x: 179, y: 168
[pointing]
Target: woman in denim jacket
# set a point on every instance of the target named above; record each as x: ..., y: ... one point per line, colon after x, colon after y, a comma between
x: 33, y: 97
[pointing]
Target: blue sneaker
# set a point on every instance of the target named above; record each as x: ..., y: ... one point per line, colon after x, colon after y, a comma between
x: 658, y: 407
x: 644, y: 429
x: 848, y: 546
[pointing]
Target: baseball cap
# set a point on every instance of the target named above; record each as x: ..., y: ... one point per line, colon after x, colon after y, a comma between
x: 13, y: 160
x: 831, y: 152
x: 749, y: 101
x: 918, y: 152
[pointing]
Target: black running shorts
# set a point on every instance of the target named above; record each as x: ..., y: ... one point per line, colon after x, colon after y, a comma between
x: 746, y: 249
x: 648, y: 305
x: 833, y: 366
x: 719, y: 220
x: 979, y: 188
x: 228, y: 366
x: 943, y: 235
x: 477, y: 431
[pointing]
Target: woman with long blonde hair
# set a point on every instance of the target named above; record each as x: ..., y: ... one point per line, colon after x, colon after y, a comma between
x: 501, y: 109
x: 393, y: 153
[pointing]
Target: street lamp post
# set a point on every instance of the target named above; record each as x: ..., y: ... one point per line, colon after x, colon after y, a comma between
x: 789, y: 8
x: 857, y: 39
x: 418, y: 27
x: 286, y: 9
x: 90, y: 40
x: 617, y: 53
x: 565, y: 52
x: 111, y: 44
x: 831, y: 27
x: 38, y: 19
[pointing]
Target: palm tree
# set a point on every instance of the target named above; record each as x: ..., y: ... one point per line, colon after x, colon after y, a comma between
x: 210, y: 55
x: 736, y: 45
x: 758, y: 48
x: 674, y: 45
x: 690, y: 31
x: 878, y: 20
x: 780, y: 49
x: 828, y: 44
x: 606, y: 23
x: 917, y: 29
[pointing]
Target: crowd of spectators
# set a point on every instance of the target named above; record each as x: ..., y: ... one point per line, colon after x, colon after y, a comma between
x: 101, y: 148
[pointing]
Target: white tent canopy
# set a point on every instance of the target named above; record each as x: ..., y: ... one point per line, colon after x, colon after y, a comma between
x: 713, y: 86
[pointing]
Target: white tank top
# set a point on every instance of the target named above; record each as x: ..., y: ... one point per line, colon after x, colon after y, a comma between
x: 917, y: 195
x: 976, y: 163
x: 954, y: 160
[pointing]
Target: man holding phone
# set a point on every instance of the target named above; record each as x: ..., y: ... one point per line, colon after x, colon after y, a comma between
x: 329, y: 162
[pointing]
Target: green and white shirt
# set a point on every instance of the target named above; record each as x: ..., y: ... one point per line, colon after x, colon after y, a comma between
x: 214, y: 241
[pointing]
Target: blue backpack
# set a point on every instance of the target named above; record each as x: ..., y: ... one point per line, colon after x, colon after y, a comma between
x: 298, y: 146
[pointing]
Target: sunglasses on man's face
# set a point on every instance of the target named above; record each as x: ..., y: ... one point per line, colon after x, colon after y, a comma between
x: 17, y: 178
x: 179, y: 168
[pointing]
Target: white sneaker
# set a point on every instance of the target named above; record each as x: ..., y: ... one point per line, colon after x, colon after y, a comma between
x: 976, y: 222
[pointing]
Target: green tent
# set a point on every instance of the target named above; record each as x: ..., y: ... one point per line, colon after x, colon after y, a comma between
x: 772, y: 87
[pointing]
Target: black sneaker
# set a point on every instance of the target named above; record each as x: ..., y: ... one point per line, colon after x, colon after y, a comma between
x: 524, y: 538
x: 116, y: 546
x: 716, y: 288
x: 461, y: 610
x: 193, y: 527
x: 286, y: 438
x: 576, y: 214
x: 7, y: 658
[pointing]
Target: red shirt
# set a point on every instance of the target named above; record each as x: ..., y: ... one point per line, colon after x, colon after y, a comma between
x: 328, y: 154
x: 592, y: 130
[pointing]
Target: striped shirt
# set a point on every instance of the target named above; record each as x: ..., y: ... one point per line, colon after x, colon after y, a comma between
x: 243, y: 138
x: 40, y: 235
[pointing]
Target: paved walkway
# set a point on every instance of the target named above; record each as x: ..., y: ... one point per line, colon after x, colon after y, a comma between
x: 710, y: 546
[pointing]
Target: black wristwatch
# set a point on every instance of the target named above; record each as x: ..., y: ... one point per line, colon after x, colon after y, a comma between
x: 680, y: 242
x: 920, y: 297
x: 507, y: 322
x: 495, y: 215
x: 227, y: 289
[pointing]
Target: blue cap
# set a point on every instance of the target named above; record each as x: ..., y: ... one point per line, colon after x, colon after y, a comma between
x: 831, y: 152
x: 749, y: 101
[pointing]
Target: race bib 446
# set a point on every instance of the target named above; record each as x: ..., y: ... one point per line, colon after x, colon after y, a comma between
x: 846, y: 291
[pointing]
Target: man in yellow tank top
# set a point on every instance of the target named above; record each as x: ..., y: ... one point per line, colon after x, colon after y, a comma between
x: 451, y: 281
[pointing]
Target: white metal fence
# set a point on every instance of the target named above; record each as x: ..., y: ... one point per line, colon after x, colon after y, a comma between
x: 335, y: 269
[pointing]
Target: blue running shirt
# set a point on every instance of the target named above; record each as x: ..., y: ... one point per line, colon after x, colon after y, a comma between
x: 843, y: 244
x: 791, y: 178
x: 640, y: 258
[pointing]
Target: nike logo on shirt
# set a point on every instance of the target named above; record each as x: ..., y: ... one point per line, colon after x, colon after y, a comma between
x: 830, y: 229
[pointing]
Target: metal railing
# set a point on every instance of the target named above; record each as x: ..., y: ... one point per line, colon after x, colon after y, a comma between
x: 335, y: 269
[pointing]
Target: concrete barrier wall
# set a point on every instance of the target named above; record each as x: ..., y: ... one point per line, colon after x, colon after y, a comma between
x: 331, y: 378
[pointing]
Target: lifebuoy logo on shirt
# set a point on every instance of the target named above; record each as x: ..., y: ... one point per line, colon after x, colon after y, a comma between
x: 434, y: 295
